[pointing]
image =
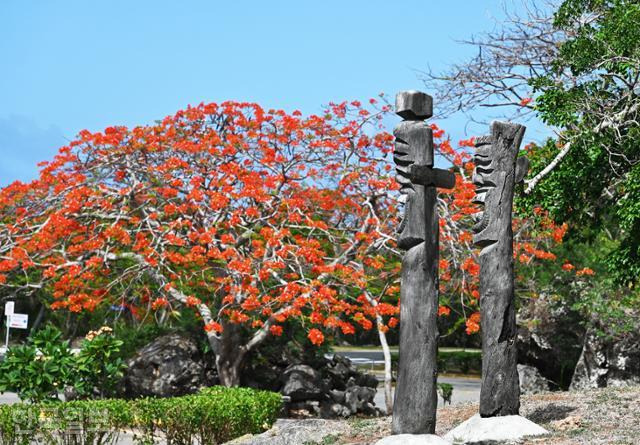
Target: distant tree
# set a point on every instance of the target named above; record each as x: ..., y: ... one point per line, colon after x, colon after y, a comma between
x: 575, y: 65
x: 246, y: 217
x: 521, y: 47
x: 598, y: 183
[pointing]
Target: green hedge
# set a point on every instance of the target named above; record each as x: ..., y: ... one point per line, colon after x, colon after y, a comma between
x: 214, y: 415
x: 461, y: 362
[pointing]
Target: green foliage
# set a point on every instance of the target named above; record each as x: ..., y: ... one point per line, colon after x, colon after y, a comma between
x: 97, y: 368
x: 446, y: 392
x: 458, y: 362
x: 246, y: 410
x: 134, y: 338
x: 587, y: 302
x: 215, y: 415
x: 624, y: 262
x: 39, y: 370
x: 605, y: 39
x: 464, y: 362
x: 613, y: 312
x: 596, y: 187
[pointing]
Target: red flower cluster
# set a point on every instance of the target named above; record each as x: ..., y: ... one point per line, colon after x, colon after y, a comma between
x: 264, y: 215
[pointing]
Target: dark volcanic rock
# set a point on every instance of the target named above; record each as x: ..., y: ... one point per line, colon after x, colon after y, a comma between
x: 332, y: 388
x: 337, y: 395
x: 368, y: 380
x: 360, y: 399
x: 169, y: 366
x: 331, y: 410
x: 339, y: 373
x: 302, y: 382
x: 608, y: 362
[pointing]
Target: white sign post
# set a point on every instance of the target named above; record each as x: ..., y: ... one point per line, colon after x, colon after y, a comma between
x: 8, y: 308
x: 16, y: 321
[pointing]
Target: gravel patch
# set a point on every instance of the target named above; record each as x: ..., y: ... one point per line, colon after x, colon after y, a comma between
x: 600, y: 416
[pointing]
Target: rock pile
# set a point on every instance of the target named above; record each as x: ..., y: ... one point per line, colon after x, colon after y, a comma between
x: 335, y: 390
x: 172, y: 365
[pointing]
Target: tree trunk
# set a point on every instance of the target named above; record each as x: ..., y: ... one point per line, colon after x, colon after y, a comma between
x: 388, y: 378
x: 230, y: 355
x: 229, y: 371
x: 388, y: 383
x: 39, y: 318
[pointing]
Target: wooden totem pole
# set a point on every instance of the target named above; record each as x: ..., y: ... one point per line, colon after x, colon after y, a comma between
x: 498, y: 170
x: 416, y: 399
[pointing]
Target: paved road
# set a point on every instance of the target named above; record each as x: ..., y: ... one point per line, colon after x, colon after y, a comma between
x: 465, y: 389
x: 8, y: 398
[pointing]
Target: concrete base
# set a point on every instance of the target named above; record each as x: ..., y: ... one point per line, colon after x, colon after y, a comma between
x: 485, y: 429
x: 413, y: 439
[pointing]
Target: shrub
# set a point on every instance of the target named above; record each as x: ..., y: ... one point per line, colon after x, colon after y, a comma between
x: 255, y: 409
x: 215, y: 415
x: 97, y: 368
x: 40, y: 369
x: 464, y: 362
x: 446, y: 392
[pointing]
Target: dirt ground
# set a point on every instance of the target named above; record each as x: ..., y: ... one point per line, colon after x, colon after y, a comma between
x: 600, y: 416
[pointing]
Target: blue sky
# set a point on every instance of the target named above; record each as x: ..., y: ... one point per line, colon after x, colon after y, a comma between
x: 69, y: 65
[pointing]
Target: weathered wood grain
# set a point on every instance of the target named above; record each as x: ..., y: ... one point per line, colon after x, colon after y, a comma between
x: 414, y: 410
x: 495, y: 178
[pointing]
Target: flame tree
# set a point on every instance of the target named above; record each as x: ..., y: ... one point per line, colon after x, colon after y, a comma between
x: 248, y: 217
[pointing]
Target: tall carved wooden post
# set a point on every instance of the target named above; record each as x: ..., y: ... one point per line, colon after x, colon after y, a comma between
x: 498, y: 169
x: 414, y: 410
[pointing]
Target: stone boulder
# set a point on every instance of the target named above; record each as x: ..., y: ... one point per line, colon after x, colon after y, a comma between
x: 171, y: 365
x: 608, y: 362
x: 531, y: 381
x: 490, y: 430
x: 549, y: 339
x: 302, y: 382
x: 295, y: 432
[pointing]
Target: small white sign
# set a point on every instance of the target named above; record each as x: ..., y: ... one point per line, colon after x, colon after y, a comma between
x: 18, y: 321
x: 8, y: 307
